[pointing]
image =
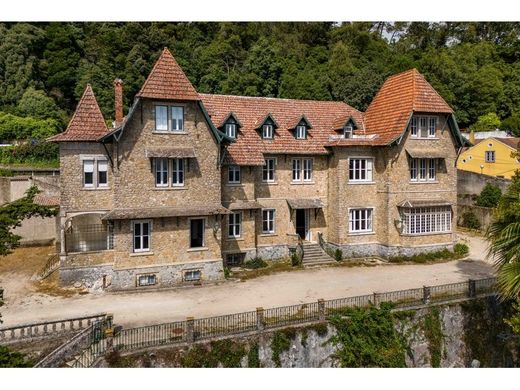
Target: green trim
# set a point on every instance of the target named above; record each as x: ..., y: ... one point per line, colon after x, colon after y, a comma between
x: 304, y: 119
x: 454, y: 128
x: 219, y: 135
x: 231, y: 115
x: 268, y: 116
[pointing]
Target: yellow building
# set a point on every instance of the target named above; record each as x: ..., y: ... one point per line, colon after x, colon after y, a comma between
x: 490, y: 156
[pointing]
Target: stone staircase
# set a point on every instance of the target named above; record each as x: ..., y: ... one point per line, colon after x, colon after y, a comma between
x: 314, y: 256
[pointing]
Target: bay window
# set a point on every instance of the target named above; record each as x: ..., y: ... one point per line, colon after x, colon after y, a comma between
x: 425, y: 220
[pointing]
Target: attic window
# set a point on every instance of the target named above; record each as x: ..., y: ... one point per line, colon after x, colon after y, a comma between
x: 348, y: 131
x: 267, y: 131
x: 301, y: 132
x: 231, y: 129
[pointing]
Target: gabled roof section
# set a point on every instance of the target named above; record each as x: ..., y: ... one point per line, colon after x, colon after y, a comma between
x: 227, y: 118
x: 87, y: 123
x: 400, y: 96
x: 341, y: 121
x: 168, y: 81
x: 304, y: 119
x: 261, y: 121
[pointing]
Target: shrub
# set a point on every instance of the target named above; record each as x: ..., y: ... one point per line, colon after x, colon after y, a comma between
x: 338, y: 254
x: 227, y: 272
x: 489, y: 196
x: 460, y: 249
x: 256, y: 263
x: 470, y: 221
x: 296, y: 261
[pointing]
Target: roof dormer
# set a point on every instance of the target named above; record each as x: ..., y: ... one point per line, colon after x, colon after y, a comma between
x: 230, y: 125
x: 301, y: 128
x: 347, y: 126
x: 267, y: 126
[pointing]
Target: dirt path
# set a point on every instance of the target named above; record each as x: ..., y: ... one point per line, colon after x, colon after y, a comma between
x: 140, y: 308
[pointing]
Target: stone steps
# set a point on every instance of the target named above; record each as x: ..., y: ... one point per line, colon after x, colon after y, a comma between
x: 314, y: 256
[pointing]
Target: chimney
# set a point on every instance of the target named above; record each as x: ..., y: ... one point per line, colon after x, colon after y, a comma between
x: 118, y: 92
x: 472, y: 137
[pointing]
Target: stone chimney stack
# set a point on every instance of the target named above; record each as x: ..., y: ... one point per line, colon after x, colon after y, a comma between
x: 118, y: 92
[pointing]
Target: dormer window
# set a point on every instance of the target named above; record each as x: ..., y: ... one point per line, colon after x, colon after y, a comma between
x: 231, y: 130
x: 301, y: 132
x: 348, y: 131
x: 267, y: 131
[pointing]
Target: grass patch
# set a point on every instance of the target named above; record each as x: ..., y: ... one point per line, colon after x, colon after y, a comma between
x: 460, y: 251
x: 228, y: 353
x: 255, y: 263
x: 281, y: 342
x: 433, y: 332
x: 272, y: 268
x: 253, y: 358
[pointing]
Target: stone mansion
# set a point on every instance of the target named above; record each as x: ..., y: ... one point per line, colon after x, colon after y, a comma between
x: 187, y: 183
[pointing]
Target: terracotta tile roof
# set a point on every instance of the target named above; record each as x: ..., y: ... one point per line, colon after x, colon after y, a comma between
x: 511, y: 142
x: 250, y: 111
x: 168, y: 81
x: 87, y: 123
x: 47, y: 200
x: 400, y: 95
x: 165, y: 212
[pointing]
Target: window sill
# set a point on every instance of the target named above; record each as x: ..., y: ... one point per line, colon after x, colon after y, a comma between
x: 233, y: 239
x: 360, y: 182
x: 424, y: 138
x: 361, y: 233
x: 424, y: 182
x: 302, y: 183
x: 234, y: 185
x: 268, y: 235
x: 137, y: 254
x: 270, y: 183
x: 424, y: 234
x: 95, y: 188
x: 169, y: 188
x: 201, y: 249
x: 164, y: 132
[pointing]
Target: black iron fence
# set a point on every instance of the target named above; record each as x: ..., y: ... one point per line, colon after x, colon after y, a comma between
x: 86, y: 238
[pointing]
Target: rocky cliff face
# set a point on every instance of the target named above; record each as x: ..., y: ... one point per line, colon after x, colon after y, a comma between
x: 466, y: 334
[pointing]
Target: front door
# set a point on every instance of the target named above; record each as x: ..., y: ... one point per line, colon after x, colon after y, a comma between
x: 301, y: 226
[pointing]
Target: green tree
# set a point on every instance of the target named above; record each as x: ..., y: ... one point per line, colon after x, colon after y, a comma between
x: 12, y: 359
x: 488, y: 122
x: 37, y: 104
x: 512, y: 124
x: 12, y: 215
x: 489, y: 196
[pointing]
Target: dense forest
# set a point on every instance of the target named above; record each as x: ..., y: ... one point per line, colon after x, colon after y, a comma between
x: 44, y: 67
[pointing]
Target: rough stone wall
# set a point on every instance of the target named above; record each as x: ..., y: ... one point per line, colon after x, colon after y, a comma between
x: 473, y: 183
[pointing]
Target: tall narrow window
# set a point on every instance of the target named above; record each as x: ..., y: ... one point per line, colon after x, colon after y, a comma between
x: 178, y: 172
x: 234, y: 174
x: 360, y: 220
x: 422, y: 169
x: 267, y: 131
x: 423, y: 127
x: 88, y: 173
x: 268, y: 221
x: 161, y: 172
x: 235, y: 221
x: 413, y: 126
x: 177, y: 118
x: 296, y: 170
x: 360, y: 170
x: 301, y: 132
x: 141, y: 236
x: 268, y: 170
x: 231, y: 130
x: 196, y: 233
x: 431, y: 169
x: 348, y: 131
x: 413, y: 169
x: 307, y: 169
x: 432, y: 124
x: 161, y: 118
x: 490, y: 156
x: 102, y: 168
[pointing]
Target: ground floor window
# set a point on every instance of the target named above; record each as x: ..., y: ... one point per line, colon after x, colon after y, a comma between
x: 192, y: 276
x: 360, y: 220
x: 424, y: 220
x: 142, y: 233
x: 235, y: 221
x: 147, y: 280
x: 268, y: 221
x: 197, y: 233
x: 235, y: 259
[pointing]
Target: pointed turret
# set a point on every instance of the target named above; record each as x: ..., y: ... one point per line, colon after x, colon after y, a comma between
x: 168, y: 81
x: 87, y: 123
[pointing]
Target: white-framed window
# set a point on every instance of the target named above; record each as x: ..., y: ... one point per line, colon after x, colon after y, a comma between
x: 231, y: 130
x: 95, y: 172
x: 192, y: 276
x: 142, y: 235
x: 88, y: 173
x: 161, y: 172
x: 423, y: 126
x: 235, y: 224
x: 423, y: 169
x: 296, y: 169
x: 177, y: 121
x: 426, y: 220
x: 307, y: 169
x: 197, y: 226
x: 169, y: 118
x: 267, y: 131
x: 301, y: 132
x: 234, y: 174
x: 348, y: 131
x: 146, y: 280
x: 490, y: 156
x: 360, y: 220
x: 177, y: 172
x: 268, y: 170
x: 268, y: 220
x: 360, y: 169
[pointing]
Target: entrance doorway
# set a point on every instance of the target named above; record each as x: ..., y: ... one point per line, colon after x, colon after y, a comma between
x: 302, y: 224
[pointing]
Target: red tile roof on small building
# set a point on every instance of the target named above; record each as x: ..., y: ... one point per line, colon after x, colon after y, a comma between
x: 511, y: 142
x: 167, y: 81
x: 249, y: 147
x: 87, y: 123
x: 400, y: 96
